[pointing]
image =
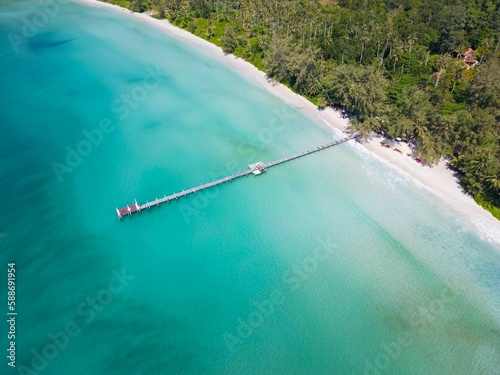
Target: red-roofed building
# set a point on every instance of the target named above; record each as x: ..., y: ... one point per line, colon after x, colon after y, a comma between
x: 468, y: 53
x: 469, y: 59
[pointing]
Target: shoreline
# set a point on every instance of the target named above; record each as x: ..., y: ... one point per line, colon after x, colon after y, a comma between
x: 438, y: 180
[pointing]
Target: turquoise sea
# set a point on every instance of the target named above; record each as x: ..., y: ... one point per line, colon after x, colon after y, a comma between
x: 330, y: 264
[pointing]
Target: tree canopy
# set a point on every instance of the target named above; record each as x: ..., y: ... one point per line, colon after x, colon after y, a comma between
x: 401, y: 67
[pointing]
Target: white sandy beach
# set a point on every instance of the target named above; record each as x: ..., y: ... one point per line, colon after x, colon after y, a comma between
x: 439, y: 180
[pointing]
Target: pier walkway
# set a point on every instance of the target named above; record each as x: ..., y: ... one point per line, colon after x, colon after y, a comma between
x: 135, y: 207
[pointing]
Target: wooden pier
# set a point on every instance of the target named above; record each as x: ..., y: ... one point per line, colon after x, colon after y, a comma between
x: 135, y: 207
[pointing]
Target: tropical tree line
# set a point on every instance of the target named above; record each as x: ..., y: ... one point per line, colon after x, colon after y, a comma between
x: 399, y: 66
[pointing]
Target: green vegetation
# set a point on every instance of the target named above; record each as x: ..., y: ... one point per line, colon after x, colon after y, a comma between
x: 123, y: 3
x: 488, y: 206
x: 399, y: 66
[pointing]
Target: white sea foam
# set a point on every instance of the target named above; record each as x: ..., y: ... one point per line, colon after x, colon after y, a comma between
x: 487, y: 229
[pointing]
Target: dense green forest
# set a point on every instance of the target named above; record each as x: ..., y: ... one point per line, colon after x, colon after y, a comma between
x: 428, y: 71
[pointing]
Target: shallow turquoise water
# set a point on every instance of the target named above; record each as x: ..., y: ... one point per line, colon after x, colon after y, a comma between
x: 330, y: 264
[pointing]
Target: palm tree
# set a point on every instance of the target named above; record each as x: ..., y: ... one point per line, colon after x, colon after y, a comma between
x: 459, y: 50
x: 365, y: 38
x: 412, y: 38
x: 397, y: 52
x: 421, y: 131
x: 494, y: 182
x: 480, y: 163
x: 442, y: 67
